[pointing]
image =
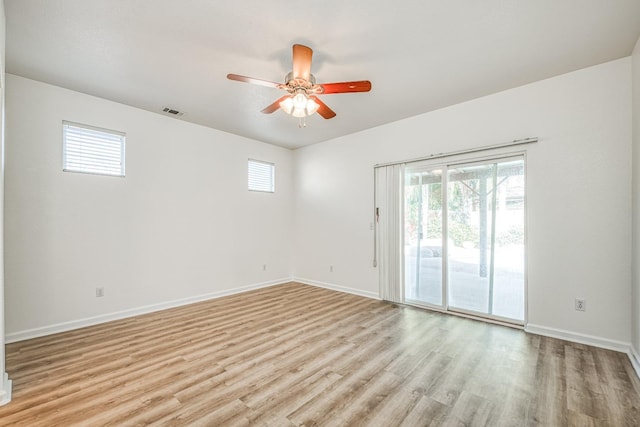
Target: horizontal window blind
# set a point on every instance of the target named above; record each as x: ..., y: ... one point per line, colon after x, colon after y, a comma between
x: 92, y: 150
x: 261, y: 176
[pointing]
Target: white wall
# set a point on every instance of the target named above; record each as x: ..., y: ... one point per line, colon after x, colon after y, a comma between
x: 579, y: 220
x: 5, y: 384
x: 635, y: 296
x: 182, y: 224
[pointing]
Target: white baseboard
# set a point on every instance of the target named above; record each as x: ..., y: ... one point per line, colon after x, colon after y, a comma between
x: 635, y: 359
x: 338, y: 288
x: 621, y: 346
x: 89, y: 321
x: 578, y: 338
x: 5, y: 391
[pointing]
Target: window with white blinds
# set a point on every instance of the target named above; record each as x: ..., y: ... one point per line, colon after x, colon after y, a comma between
x: 93, y: 150
x: 261, y: 176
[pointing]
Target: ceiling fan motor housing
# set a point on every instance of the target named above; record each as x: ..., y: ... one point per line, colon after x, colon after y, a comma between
x: 292, y: 83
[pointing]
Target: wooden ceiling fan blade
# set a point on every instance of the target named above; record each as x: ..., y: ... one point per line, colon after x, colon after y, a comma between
x: 302, y: 61
x: 251, y: 80
x: 323, y: 109
x: 346, y: 87
x: 274, y: 107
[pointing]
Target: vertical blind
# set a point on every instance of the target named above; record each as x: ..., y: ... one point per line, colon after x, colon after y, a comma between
x: 261, y: 176
x: 92, y: 150
x: 388, y: 201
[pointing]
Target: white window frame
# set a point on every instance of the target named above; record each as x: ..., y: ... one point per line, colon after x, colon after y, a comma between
x: 112, y: 141
x: 261, y: 184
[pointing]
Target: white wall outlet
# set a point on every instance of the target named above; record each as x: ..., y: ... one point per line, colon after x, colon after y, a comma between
x: 99, y: 292
x: 581, y: 305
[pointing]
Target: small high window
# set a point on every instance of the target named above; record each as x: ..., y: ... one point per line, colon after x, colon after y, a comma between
x: 88, y: 149
x: 261, y: 176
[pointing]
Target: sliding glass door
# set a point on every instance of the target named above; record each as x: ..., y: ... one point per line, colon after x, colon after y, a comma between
x: 464, y: 247
x: 423, y: 237
x: 486, y: 228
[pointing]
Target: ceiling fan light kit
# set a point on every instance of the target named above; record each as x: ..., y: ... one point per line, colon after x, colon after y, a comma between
x: 299, y: 105
x: 302, y: 88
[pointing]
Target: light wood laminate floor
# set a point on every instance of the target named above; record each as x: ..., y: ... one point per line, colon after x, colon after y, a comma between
x: 298, y: 355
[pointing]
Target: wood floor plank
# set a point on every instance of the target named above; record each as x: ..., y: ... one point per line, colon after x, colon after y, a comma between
x: 426, y: 412
x: 292, y: 355
x: 398, y: 406
x: 471, y: 409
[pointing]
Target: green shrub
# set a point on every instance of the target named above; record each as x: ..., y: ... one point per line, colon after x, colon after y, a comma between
x: 513, y: 236
x: 461, y: 232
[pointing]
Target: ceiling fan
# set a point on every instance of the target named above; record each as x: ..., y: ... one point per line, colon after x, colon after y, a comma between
x: 302, y: 99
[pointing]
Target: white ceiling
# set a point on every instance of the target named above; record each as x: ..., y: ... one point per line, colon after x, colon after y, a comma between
x: 420, y: 55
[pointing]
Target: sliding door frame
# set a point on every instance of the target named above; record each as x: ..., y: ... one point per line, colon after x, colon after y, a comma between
x: 457, y: 160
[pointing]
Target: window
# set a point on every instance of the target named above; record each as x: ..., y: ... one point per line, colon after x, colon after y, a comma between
x: 261, y: 176
x: 93, y: 150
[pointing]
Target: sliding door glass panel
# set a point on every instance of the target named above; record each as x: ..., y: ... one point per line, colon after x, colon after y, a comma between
x: 470, y: 190
x: 508, y: 277
x: 423, y: 219
x: 486, y: 238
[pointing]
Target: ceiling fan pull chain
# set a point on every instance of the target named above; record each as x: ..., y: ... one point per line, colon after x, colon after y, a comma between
x: 302, y: 123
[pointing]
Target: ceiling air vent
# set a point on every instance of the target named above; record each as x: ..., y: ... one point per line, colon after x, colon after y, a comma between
x: 172, y: 112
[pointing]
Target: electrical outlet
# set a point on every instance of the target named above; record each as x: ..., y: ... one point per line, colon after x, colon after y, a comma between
x: 581, y: 305
x: 99, y: 292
